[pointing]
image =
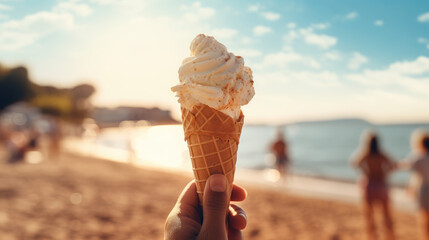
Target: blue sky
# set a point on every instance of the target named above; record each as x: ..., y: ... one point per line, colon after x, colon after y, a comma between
x: 311, y: 59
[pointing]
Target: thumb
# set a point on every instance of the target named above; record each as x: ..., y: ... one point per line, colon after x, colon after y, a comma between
x: 215, y: 207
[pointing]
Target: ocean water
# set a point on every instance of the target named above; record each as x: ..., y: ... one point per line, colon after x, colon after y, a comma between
x: 317, y: 149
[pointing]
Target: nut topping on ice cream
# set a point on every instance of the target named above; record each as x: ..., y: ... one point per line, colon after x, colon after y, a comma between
x: 214, y: 77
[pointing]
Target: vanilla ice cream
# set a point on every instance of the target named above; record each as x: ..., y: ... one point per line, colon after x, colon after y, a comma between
x: 214, y: 77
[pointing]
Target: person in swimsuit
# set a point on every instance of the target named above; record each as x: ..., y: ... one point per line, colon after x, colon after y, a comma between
x: 280, y: 151
x: 420, y: 173
x: 375, y: 166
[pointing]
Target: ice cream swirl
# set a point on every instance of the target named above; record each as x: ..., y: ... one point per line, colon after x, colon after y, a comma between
x: 214, y: 77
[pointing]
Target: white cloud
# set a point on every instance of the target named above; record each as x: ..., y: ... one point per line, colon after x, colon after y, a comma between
x: 373, y: 78
x: 10, y: 41
x: 74, y: 7
x: 290, y: 36
x: 41, y: 22
x: 4, y: 7
x: 271, y: 16
x: 320, y: 26
x: 223, y: 33
x: 254, y: 8
x: 283, y: 59
x: 417, y: 67
x: 131, y: 5
x: 2, y: 17
x: 409, y: 75
x: 287, y: 48
x: 352, y: 15
x: 318, y: 79
x: 332, y: 55
x: 271, y: 77
x: 384, y: 79
x: 249, y: 52
x: 424, y: 17
x: 422, y: 40
x: 104, y: 2
x: 15, y: 34
x: 357, y: 61
x: 261, y: 30
x: 378, y: 23
x: 291, y: 25
x: 246, y: 40
x: 198, y: 13
x: 320, y: 40
x: 323, y: 78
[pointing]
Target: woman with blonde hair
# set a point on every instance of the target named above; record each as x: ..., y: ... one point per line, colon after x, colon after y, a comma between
x: 375, y: 166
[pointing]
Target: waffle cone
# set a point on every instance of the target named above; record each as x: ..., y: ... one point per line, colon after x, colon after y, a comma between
x: 212, y: 138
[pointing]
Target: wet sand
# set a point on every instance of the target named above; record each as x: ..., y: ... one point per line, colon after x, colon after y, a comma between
x: 86, y: 198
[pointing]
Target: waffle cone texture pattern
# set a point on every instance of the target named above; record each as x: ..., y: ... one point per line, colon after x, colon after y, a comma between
x: 212, y: 139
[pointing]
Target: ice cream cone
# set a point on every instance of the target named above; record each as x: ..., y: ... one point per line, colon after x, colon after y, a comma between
x: 212, y: 138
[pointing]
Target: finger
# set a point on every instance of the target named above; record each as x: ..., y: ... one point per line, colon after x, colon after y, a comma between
x: 189, y: 195
x: 237, y: 217
x: 187, y: 203
x: 215, y: 206
x: 234, y: 234
x: 184, y: 213
x: 238, y: 193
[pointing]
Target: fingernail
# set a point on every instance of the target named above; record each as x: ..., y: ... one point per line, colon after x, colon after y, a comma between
x: 243, y: 215
x: 218, y: 183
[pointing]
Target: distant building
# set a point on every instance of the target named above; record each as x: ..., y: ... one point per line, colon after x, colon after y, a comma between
x: 113, y: 116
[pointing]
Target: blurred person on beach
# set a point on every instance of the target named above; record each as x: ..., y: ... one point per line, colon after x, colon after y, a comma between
x: 375, y: 166
x: 16, y: 146
x: 418, y: 163
x: 33, y: 139
x: 3, y: 136
x: 132, y: 156
x: 280, y: 150
x: 55, y: 137
x: 214, y: 219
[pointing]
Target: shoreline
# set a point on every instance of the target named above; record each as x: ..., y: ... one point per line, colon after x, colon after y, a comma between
x: 300, y: 185
x: 145, y: 143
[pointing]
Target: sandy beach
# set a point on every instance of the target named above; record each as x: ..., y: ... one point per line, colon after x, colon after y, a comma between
x: 88, y: 198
